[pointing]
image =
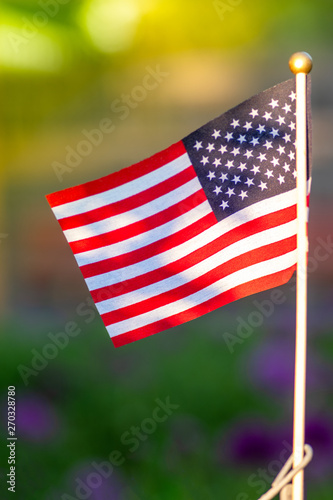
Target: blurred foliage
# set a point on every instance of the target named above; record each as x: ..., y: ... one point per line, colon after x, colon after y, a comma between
x: 164, y: 26
x: 52, y: 51
x: 90, y: 394
x: 61, y: 64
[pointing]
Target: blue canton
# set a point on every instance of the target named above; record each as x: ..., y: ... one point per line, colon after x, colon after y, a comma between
x: 247, y: 154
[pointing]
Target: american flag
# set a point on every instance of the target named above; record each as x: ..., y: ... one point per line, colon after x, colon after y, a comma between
x: 207, y: 221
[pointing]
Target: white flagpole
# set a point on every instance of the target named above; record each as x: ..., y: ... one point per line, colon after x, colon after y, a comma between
x: 300, y: 64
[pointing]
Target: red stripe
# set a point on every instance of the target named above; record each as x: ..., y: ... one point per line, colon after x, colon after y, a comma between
x: 249, y: 288
x: 261, y: 254
x: 130, y: 203
x: 140, y: 227
x: 117, y: 178
x: 151, y: 250
x: 246, y: 230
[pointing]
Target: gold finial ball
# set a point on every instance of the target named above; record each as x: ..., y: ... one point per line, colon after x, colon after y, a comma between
x: 300, y: 62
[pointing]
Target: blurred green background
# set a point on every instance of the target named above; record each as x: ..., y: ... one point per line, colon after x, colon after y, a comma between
x: 65, y: 66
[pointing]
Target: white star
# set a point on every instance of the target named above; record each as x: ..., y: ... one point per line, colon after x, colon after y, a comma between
x: 286, y: 138
x: 274, y: 132
x: 293, y: 96
x: 243, y: 194
x: 261, y: 129
x: 211, y: 175
x: 217, y: 162
x: 286, y: 167
x: 228, y: 136
x: 274, y: 103
x: 198, y: 145
x: 287, y: 108
x: 235, y: 151
x: 281, y: 120
x: 249, y: 182
x: 210, y: 147
x: 275, y: 161
x: 204, y: 160
x: 247, y: 126
x: 294, y: 174
x: 224, y: 177
x: 281, y: 149
x: 242, y: 166
x: 230, y: 192
x: 229, y: 164
x: 263, y: 185
x: 255, y: 169
x: 291, y: 155
x: 262, y: 157
x: 254, y: 141
x: 217, y: 190
x: 268, y: 145
x: 241, y: 139
x: 281, y: 179
x: 236, y: 179
x: 267, y: 116
x: 224, y: 205
x: 292, y: 126
x: 223, y: 149
x: 254, y: 113
x: 248, y: 154
x: 216, y: 134
x: 235, y: 123
x: 269, y: 173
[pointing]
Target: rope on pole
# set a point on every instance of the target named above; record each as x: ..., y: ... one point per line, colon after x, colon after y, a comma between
x: 282, y: 482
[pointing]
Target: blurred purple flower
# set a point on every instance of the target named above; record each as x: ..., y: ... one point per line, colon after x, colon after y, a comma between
x: 283, y: 320
x: 270, y: 367
x: 36, y: 418
x: 96, y: 480
x: 319, y: 434
x: 248, y: 443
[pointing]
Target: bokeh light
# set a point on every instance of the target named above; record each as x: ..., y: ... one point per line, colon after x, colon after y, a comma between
x: 111, y: 24
x: 40, y: 53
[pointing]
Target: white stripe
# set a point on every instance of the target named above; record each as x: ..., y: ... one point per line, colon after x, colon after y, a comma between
x: 145, y: 238
x: 223, y: 256
x: 260, y: 209
x: 124, y: 191
x: 229, y: 282
x: 135, y: 215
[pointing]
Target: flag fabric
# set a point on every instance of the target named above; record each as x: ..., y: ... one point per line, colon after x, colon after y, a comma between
x: 207, y: 221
